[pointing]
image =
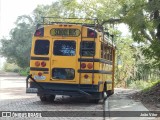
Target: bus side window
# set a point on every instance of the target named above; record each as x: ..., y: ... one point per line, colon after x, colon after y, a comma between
x: 41, y: 47
x: 87, y: 48
x: 104, y: 53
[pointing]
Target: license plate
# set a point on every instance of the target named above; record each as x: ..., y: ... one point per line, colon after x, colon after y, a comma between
x: 31, y: 90
x: 36, y: 77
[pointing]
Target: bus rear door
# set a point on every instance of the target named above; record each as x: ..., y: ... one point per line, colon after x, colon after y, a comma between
x: 63, y: 61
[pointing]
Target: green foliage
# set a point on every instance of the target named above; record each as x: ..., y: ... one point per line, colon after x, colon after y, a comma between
x: 148, y: 88
x: 141, y: 84
x: 125, y: 60
x: 17, y: 48
x: 11, y: 67
x: 133, y: 62
x: 24, y: 72
x: 132, y: 65
x: 143, y: 17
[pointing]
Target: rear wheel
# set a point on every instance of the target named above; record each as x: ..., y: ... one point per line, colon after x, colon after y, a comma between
x: 43, y: 98
x: 109, y: 92
x: 95, y: 101
x: 51, y: 98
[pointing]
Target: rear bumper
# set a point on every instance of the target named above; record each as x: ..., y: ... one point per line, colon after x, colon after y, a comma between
x: 66, y: 89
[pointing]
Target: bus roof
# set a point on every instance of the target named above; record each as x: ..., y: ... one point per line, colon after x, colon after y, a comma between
x: 87, y: 22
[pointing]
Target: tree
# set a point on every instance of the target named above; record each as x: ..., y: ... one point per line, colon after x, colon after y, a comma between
x: 143, y: 19
x: 17, y: 48
x: 125, y: 61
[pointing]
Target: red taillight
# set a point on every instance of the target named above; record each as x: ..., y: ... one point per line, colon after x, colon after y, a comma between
x: 43, y: 64
x: 39, y: 74
x: 90, y: 65
x: 91, y: 34
x: 37, y: 63
x: 86, y: 76
x: 38, y: 33
x: 83, y: 65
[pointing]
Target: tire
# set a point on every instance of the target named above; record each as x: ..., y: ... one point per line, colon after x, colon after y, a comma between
x: 51, y: 98
x: 96, y: 101
x: 109, y: 93
x: 43, y: 98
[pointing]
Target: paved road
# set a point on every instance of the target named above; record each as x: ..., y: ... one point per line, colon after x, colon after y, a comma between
x: 14, y: 98
x: 127, y: 107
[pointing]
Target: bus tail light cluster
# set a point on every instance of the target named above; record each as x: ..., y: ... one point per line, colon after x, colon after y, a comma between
x: 39, y: 32
x: 89, y: 65
x: 37, y: 63
x: 43, y: 63
x: 91, y: 33
x: 83, y: 65
x: 40, y: 74
x: 86, y: 76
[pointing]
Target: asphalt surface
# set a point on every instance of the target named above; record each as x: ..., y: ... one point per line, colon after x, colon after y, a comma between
x: 13, y: 98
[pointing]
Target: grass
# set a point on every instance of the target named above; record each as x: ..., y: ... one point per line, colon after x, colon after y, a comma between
x: 143, y: 85
x: 151, y: 86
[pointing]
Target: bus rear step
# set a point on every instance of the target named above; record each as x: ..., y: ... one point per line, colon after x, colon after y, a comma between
x: 31, y: 90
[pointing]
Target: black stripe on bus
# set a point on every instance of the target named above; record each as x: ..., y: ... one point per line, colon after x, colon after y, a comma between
x: 39, y: 58
x: 94, y: 60
x: 39, y: 69
x: 94, y: 71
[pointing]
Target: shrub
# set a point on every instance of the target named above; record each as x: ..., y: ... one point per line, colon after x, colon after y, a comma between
x: 8, y: 67
x: 24, y: 72
x: 141, y: 84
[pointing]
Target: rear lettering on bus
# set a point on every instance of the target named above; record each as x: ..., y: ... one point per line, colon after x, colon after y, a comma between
x: 65, y: 32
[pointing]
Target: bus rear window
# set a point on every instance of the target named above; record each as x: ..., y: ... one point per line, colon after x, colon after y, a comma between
x: 64, y: 48
x: 63, y: 73
x: 87, y: 48
x: 41, y: 47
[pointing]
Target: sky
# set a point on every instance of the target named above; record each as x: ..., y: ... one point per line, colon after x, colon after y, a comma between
x: 11, y: 9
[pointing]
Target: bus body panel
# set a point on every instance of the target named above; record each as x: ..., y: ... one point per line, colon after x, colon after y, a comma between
x: 62, y: 74
x: 65, y: 63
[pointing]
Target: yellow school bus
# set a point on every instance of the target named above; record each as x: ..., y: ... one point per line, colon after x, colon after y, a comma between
x: 69, y: 58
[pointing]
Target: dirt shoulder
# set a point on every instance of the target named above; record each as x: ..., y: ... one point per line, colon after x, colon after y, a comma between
x: 150, y: 97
